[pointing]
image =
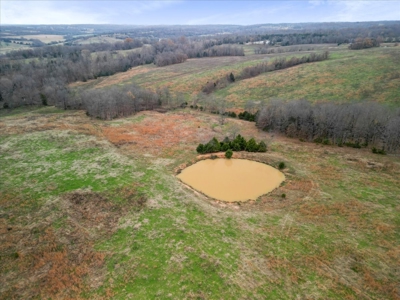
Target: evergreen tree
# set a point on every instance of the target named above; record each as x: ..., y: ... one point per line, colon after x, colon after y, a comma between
x: 252, y: 146
x: 242, y: 142
x: 200, y: 149
x: 262, y: 147
x: 228, y: 153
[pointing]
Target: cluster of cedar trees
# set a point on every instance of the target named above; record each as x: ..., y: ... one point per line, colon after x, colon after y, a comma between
x: 239, y: 143
x: 245, y: 115
x: 351, y: 124
x: 252, y: 71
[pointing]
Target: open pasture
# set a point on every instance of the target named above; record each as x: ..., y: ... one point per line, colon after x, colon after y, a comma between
x: 45, y: 38
x: 7, y: 47
x: 97, y: 203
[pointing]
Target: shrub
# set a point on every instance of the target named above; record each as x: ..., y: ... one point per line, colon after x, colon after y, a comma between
x: 378, y: 151
x: 44, y: 99
x: 214, y: 145
x: 241, y: 141
x: 318, y: 140
x: 247, y: 116
x: 235, y: 146
x: 281, y: 165
x: 200, y: 149
x: 283, y: 195
x: 325, y: 142
x: 262, y: 147
x: 252, y: 146
x: 353, y: 145
x: 228, y: 153
x: 225, y: 147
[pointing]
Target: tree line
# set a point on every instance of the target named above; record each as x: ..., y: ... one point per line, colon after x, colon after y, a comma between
x: 117, y: 102
x: 44, y: 73
x: 351, y: 124
x: 266, y: 49
x: 365, y: 43
x: 252, y: 71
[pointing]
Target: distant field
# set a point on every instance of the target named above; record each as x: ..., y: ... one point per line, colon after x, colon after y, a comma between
x: 371, y: 74
x: 348, y: 75
x: 7, y: 47
x: 189, y: 77
x: 97, y: 39
x: 249, y: 49
x: 45, y: 38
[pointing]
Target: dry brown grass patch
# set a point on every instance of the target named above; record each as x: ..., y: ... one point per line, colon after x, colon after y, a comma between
x: 156, y: 133
x: 42, y: 259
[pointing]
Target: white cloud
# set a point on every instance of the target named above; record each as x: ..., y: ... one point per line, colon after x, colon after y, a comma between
x: 74, y: 12
x: 352, y: 11
x: 44, y: 12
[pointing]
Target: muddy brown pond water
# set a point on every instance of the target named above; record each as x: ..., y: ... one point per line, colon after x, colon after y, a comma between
x: 232, y: 179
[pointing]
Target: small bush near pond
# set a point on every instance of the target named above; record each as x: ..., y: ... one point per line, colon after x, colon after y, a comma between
x: 281, y: 165
x: 228, y: 153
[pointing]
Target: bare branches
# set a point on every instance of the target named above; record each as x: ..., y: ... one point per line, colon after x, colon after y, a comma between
x: 357, y: 125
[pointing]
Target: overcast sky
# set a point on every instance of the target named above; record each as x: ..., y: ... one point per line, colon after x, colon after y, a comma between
x: 194, y: 12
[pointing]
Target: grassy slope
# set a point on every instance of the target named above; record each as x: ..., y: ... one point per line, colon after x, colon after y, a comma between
x: 334, y: 236
x: 347, y: 76
x: 370, y: 74
x: 189, y: 77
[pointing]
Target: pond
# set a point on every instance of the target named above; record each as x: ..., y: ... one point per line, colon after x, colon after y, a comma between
x: 232, y: 179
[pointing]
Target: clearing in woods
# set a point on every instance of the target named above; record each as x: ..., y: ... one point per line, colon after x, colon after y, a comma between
x: 92, y: 209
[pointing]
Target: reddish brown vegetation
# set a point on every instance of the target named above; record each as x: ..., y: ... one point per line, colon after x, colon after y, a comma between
x: 41, y: 259
x: 154, y: 134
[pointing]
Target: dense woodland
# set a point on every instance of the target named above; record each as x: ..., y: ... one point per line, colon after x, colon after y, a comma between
x: 350, y: 124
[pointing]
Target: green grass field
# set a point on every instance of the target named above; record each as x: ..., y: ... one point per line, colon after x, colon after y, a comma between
x: 348, y: 75
x: 72, y: 224
x: 370, y: 74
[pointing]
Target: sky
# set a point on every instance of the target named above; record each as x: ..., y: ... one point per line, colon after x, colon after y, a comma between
x: 191, y: 12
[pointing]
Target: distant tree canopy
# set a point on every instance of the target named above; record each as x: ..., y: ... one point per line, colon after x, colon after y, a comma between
x: 25, y: 82
x: 356, y: 124
x: 43, y: 72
